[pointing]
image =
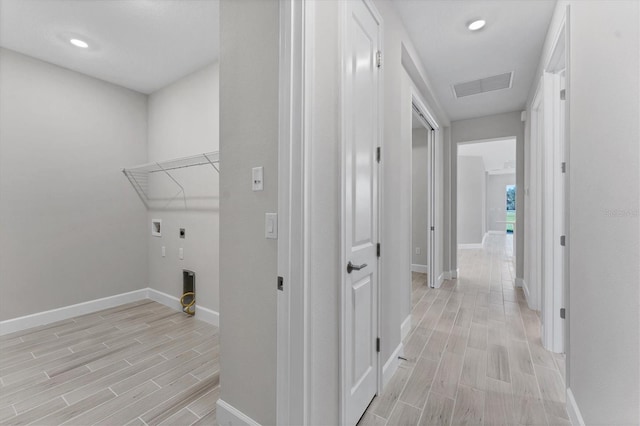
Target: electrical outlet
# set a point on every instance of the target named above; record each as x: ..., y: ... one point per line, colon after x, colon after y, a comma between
x: 182, y: 233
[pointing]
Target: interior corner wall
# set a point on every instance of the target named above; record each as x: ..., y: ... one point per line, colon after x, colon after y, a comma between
x: 419, y: 204
x: 249, y: 45
x: 71, y: 227
x: 183, y: 120
x: 471, y: 194
x: 604, y: 204
x: 493, y: 127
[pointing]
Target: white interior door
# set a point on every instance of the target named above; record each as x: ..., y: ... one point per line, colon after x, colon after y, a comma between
x: 360, y: 294
x: 553, y: 214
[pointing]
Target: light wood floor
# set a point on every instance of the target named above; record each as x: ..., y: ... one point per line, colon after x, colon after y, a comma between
x: 474, y: 355
x: 140, y: 363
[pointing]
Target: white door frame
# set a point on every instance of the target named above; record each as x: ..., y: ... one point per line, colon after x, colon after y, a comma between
x: 293, y: 309
x: 549, y: 198
x: 533, y: 284
x: 553, y: 333
x: 432, y: 127
x: 292, y: 384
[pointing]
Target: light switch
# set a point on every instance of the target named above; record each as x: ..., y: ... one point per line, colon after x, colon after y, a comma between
x: 417, y: 250
x: 181, y: 253
x: 271, y: 225
x: 257, y: 178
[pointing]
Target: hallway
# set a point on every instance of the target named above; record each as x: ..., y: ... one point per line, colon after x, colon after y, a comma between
x: 474, y: 354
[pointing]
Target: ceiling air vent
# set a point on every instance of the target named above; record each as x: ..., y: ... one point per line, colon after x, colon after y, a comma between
x: 488, y: 84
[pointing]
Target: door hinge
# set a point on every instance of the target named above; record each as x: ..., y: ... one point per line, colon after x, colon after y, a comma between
x: 563, y: 313
x: 379, y: 59
x: 378, y: 154
x: 563, y: 95
x: 378, y: 250
x: 378, y: 344
x: 563, y: 240
x: 280, y: 283
x: 563, y: 165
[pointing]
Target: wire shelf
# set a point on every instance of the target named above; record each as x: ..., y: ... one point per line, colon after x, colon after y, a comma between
x: 140, y: 177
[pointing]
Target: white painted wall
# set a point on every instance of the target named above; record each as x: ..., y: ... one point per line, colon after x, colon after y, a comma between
x: 471, y: 200
x: 419, y: 206
x: 603, y: 88
x: 249, y: 37
x: 496, y: 205
x: 183, y: 120
x: 71, y: 227
x: 493, y: 127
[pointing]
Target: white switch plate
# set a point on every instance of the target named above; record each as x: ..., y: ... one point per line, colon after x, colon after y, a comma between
x: 271, y: 225
x: 417, y: 250
x: 257, y: 174
x: 164, y: 251
x: 181, y: 253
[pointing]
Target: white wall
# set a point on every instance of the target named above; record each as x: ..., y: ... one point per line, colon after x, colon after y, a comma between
x: 184, y: 120
x: 603, y: 89
x: 471, y: 200
x: 71, y: 227
x: 496, y: 205
x: 419, y: 205
x: 493, y: 127
x: 249, y: 37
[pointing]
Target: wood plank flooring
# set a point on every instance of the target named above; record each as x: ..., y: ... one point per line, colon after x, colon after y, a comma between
x: 141, y: 363
x: 474, y: 355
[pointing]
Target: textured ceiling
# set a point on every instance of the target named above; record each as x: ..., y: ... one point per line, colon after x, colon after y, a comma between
x: 511, y: 41
x: 140, y: 44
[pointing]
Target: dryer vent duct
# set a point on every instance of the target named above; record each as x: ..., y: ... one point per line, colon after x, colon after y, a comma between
x: 188, y: 299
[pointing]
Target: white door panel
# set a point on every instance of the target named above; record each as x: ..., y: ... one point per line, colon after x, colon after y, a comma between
x: 360, y: 211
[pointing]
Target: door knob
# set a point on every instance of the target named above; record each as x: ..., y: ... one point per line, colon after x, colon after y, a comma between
x: 352, y: 267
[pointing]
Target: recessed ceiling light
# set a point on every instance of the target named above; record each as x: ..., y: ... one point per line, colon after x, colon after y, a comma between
x: 476, y: 25
x: 79, y: 43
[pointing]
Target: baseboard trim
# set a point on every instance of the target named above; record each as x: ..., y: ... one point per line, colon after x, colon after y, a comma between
x: 419, y: 268
x: 203, y: 314
x: 66, y: 312
x: 519, y: 282
x: 454, y: 274
x: 228, y: 415
x: 470, y: 246
x: 440, y: 280
x: 391, y: 365
x: 574, y: 412
x: 59, y: 314
x: 405, y: 328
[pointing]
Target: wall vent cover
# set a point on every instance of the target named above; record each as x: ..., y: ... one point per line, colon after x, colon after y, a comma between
x: 488, y: 84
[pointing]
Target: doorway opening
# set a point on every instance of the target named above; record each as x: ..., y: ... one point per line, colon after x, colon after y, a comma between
x: 423, y: 206
x: 420, y: 201
x: 487, y: 195
x: 510, y: 202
